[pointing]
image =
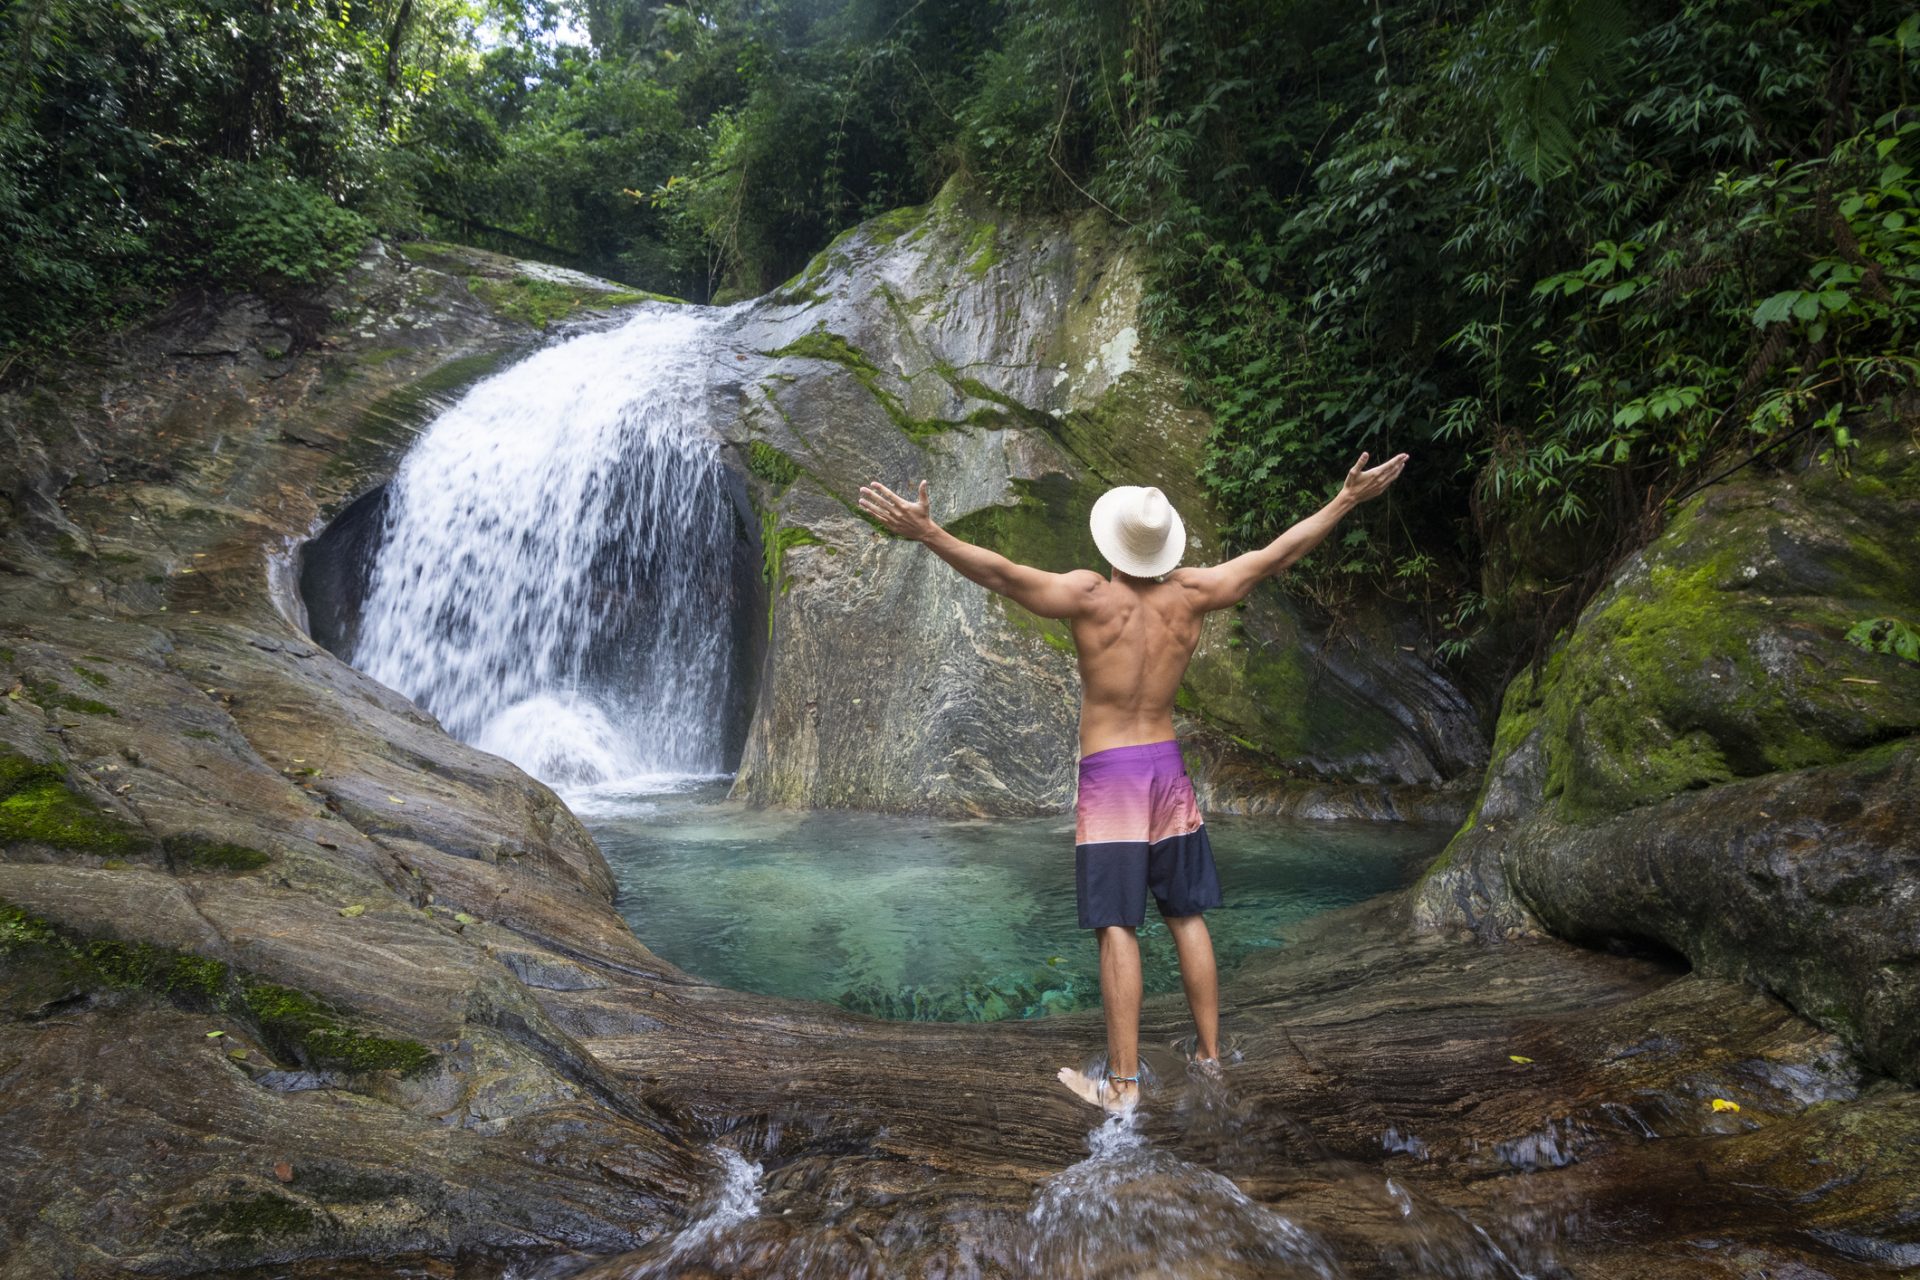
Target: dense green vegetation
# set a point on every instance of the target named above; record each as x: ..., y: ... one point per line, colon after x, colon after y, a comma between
x: 1578, y: 256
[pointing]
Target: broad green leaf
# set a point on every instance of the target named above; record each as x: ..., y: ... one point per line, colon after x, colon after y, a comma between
x: 1775, y: 309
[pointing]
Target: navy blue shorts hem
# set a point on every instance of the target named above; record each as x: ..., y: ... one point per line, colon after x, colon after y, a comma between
x: 1113, y: 879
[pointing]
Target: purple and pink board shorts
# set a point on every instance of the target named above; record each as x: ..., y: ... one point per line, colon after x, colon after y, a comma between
x: 1137, y: 831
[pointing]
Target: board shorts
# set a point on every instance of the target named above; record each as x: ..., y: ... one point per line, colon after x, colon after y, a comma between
x: 1138, y: 830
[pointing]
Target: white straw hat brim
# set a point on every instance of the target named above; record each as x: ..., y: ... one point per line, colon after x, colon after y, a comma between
x: 1109, y: 511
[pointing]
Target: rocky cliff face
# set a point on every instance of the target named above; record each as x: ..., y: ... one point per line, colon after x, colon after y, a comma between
x: 1708, y: 763
x: 1002, y: 362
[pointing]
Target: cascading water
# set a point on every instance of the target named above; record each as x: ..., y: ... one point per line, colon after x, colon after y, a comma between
x: 554, y: 578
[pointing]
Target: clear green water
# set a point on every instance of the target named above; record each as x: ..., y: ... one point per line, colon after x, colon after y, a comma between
x: 925, y: 918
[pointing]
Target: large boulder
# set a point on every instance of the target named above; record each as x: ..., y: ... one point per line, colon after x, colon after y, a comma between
x: 1002, y: 361
x: 1708, y: 762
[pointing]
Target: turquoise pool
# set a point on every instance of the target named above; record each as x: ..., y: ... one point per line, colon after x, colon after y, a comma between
x: 928, y: 918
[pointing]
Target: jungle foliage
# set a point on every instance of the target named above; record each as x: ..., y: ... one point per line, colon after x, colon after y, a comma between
x: 1576, y: 256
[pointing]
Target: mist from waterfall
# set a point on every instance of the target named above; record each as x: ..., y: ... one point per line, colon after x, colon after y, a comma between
x: 554, y: 578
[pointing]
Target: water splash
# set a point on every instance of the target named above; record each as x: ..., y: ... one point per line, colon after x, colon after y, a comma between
x: 554, y: 578
x: 1131, y: 1208
x: 737, y: 1200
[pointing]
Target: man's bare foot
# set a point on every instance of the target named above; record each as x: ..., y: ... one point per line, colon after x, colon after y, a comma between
x: 1111, y: 1095
x: 1208, y: 1067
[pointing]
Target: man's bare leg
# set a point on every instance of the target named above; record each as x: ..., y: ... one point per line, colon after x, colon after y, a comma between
x: 1120, y: 995
x: 1198, y: 974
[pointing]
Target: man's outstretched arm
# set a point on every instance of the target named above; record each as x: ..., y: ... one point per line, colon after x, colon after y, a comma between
x: 1051, y: 595
x: 1227, y: 583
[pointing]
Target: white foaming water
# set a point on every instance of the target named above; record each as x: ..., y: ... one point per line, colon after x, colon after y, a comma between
x: 737, y: 1200
x: 1130, y: 1208
x: 554, y: 579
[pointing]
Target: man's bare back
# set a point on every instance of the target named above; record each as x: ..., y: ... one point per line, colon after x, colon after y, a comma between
x: 1135, y: 636
x: 1134, y: 642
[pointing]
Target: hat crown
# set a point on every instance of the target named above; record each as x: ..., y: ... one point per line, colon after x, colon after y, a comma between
x: 1145, y: 521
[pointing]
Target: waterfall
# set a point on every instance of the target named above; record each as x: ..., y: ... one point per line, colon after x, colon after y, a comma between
x: 554, y: 578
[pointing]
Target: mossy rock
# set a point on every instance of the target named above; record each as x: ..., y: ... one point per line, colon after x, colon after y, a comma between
x: 205, y: 854
x: 311, y: 1031
x: 771, y: 465
x: 41, y: 964
x: 539, y: 302
x: 1720, y: 653
x: 247, y: 1221
x: 51, y: 696
x: 832, y: 347
x: 39, y: 806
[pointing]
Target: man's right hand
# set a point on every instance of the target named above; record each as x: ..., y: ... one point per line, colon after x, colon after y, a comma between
x: 907, y: 519
x: 1364, y: 484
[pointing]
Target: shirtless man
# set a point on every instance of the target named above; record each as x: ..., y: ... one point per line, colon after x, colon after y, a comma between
x: 1138, y: 827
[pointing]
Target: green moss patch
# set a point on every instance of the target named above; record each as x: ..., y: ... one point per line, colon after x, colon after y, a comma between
x: 19, y: 929
x: 891, y: 225
x: 822, y: 345
x: 771, y: 465
x: 161, y: 970
x: 311, y: 1031
x: 214, y: 855
x: 37, y: 805
x: 247, y: 1220
x: 1724, y: 654
x: 45, y: 962
x: 1046, y: 526
x: 540, y: 302
x: 983, y: 250
x: 92, y: 677
x: 51, y: 696
x: 50, y: 962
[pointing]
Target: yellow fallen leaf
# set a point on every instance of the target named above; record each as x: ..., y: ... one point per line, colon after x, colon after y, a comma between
x: 1857, y: 680
x: 461, y: 917
x: 238, y: 1055
x: 354, y: 910
x: 396, y: 799
x: 214, y: 1035
x: 1514, y: 1057
x: 1721, y: 1104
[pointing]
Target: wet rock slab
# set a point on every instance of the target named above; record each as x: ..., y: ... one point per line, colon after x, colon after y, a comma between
x: 1397, y: 1105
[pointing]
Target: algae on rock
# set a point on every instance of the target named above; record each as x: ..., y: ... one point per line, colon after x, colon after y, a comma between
x: 1705, y: 762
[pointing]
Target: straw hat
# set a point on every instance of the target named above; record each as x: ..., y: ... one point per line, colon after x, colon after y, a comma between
x: 1138, y: 531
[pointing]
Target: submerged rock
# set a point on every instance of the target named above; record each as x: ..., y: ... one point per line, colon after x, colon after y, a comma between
x: 1708, y: 762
